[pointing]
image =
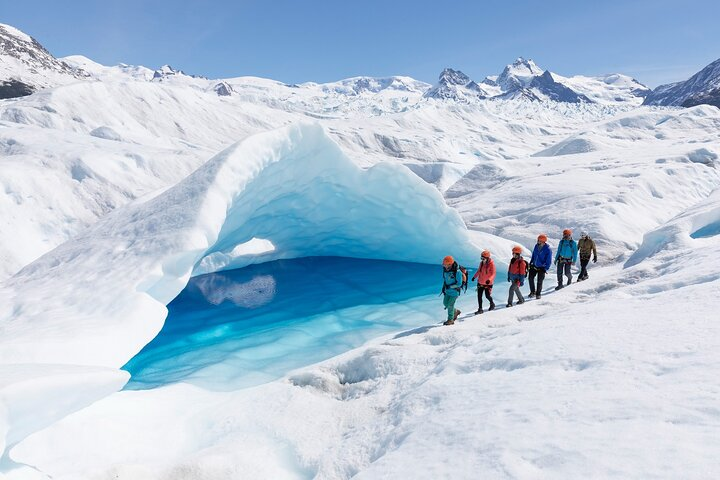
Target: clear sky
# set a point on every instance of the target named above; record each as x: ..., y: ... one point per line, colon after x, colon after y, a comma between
x: 656, y: 41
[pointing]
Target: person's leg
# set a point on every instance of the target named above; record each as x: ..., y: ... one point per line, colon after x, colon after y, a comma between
x: 540, y: 278
x: 531, y: 280
x: 584, y: 264
x: 568, y: 272
x: 479, y: 295
x: 489, y: 297
x: 510, y: 294
x: 560, y: 266
x: 519, y: 294
x: 450, y: 306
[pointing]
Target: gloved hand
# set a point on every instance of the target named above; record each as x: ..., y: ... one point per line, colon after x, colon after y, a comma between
x: 555, y: 261
x: 487, y: 282
x: 594, y: 259
x: 508, y: 278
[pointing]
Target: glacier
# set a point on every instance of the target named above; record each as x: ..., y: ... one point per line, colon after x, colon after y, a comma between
x: 122, y: 246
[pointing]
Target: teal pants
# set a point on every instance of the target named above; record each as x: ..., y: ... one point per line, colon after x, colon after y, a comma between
x: 449, y: 304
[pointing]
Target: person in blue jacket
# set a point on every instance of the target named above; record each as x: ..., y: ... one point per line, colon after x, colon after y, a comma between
x: 453, y: 279
x: 565, y: 257
x: 540, y: 263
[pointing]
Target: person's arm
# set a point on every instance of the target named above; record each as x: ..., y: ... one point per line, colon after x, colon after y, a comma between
x: 477, y: 273
x: 492, y: 274
x: 594, y: 250
x: 574, y: 248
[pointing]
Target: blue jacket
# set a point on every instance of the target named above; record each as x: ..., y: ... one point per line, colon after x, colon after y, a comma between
x: 453, y: 282
x: 541, y: 257
x: 567, y: 249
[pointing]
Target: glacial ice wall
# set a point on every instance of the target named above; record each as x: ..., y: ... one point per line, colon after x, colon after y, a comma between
x: 291, y: 192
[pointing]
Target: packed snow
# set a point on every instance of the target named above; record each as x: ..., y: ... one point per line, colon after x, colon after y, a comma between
x: 121, y: 190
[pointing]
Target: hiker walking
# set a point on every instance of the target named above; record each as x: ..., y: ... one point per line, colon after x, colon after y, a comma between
x: 517, y: 270
x: 540, y: 263
x: 454, y: 278
x: 565, y: 257
x: 485, y: 277
x: 586, y: 246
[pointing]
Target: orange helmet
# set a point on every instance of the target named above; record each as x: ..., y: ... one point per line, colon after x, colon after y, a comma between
x: 542, y: 238
x: 517, y: 249
x: 486, y: 254
x: 448, y: 260
x: 567, y: 231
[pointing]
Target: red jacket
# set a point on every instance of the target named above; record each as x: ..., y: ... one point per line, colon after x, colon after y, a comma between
x: 485, y: 272
x: 517, y: 267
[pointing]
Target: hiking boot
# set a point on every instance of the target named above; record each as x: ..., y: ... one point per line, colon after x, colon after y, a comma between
x: 520, y: 302
x: 569, y: 281
x: 457, y: 314
x: 492, y: 307
x: 537, y: 296
x: 558, y: 287
x: 479, y: 311
x: 449, y: 322
x: 532, y: 294
x: 508, y: 305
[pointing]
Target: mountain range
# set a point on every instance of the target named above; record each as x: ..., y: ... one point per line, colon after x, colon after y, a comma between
x: 26, y: 67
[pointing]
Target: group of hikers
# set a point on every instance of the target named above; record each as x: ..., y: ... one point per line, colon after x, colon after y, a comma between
x: 455, y: 276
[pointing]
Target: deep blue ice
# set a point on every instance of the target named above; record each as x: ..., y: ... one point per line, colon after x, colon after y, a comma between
x: 244, y: 327
x: 709, y: 230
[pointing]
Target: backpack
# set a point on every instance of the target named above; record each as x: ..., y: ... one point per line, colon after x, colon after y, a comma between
x: 463, y: 270
x: 464, y: 277
x: 527, y: 267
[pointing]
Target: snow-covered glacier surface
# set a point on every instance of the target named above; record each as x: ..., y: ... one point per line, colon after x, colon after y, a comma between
x: 610, y: 378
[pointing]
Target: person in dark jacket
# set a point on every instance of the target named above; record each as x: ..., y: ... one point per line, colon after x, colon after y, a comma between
x: 565, y: 258
x: 586, y: 247
x: 540, y: 263
x: 517, y: 271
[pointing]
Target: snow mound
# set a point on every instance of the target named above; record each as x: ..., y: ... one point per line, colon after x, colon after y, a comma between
x: 703, y: 155
x: 107, y: 133
x: 570, y: 146
x: 698, y: 226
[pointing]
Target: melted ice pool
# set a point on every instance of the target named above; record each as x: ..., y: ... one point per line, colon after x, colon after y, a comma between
x: 244, y: 327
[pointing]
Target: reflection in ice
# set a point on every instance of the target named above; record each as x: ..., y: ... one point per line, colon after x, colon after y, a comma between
x: 218, y: 288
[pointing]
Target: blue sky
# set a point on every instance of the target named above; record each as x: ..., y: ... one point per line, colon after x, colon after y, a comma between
x: 656, y: 41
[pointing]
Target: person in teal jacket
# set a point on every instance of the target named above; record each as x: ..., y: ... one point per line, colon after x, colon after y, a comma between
x: 452, y: 284
x: 565, y: 257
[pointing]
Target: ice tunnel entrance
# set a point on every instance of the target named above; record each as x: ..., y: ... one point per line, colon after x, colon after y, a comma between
x: 248, y: 326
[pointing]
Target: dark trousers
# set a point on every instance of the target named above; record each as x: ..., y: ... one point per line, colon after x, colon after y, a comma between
x: 583, y: 267
x: 563, y: 267
x: 488, y: 290
x: 540, y: 277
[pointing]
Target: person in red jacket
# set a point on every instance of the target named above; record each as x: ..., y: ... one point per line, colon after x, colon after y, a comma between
x: 517, y: 270
x: 485, y: 277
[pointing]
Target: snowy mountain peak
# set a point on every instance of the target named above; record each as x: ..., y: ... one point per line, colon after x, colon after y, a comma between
x: 701, y: 88
x: 453, y: 77
x: 166, y: 72
x: 519, y: 74
x: 26, y: 66
x: 455, y: 85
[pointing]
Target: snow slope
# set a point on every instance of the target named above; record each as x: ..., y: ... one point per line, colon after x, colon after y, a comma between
x: 606, y: 379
